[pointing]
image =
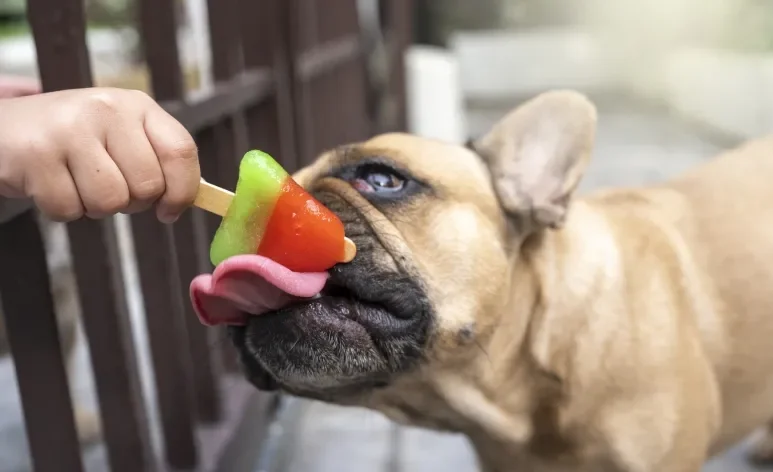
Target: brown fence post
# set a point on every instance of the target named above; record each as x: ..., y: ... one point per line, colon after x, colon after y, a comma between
x: 400, y: 36
x: 230, y: 135
x: 37, y: 353
x: 159, y: 38
x: 161, y: 292
x: 289, y: 17
x: 58, y: 27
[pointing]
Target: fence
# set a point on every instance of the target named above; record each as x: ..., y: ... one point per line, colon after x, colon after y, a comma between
x: 290, y: 78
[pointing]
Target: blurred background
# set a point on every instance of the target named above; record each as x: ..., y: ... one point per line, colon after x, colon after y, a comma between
x: 676, y: 81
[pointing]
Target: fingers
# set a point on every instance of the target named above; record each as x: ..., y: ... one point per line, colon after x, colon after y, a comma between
x: 150, y: 151
x: 129, y: 148
x: 54, y: 192
x: 101, y: 186
x: 178, y: 157
x: 97, y: 152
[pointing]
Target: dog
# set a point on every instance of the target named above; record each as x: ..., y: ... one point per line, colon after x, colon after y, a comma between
x: 68, y: 312
x: 627, y: 330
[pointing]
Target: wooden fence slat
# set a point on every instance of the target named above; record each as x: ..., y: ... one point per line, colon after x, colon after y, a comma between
x: 161, y: 291
x: 329, y: 75
x: 334, y: 23
x: 189, y: 234
x: 329, y: 57
x: 400, y: 35
x: 59, y: 31
x: 228, y: 63
x: 231, y: 136
x: 158, y: 33
x: 158, y: 26
x: 37, y: 354
x: 298, y: 35
x: 278, y: 17
x: 269, y: 123
x: 205, y: 109
x: 94, y: 246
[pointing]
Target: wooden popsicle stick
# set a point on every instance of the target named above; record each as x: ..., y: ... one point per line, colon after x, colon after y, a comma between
x: 216, y: 200
x: 213, y: 198
x: 350, y: 250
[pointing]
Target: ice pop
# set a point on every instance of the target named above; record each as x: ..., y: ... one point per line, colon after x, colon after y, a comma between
x: 272, y: 216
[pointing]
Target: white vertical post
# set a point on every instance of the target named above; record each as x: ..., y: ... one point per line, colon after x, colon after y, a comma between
x: 435, y: 101
x: 198, y: 35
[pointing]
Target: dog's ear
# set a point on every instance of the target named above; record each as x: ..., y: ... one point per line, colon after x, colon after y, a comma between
x: 537, y: 155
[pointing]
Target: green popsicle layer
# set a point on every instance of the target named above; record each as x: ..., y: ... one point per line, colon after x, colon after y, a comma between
x: 257, y: 191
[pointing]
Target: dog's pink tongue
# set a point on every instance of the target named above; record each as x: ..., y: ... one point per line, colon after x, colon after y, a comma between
x: 249, y: 285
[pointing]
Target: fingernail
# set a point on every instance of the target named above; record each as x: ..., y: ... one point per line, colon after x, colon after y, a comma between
x: 167, y: 218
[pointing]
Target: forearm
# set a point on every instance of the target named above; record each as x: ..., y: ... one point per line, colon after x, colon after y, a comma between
x: 11, y: 86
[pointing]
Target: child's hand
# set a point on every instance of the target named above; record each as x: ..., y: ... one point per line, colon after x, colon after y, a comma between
x: 96, y: 152
x: 12, y: 86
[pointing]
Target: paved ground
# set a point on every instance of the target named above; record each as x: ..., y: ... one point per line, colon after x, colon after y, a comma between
x: 633, y: 147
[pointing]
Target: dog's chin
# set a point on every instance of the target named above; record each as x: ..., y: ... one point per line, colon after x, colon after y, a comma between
x: 368, y: 325
x: 331, y: 347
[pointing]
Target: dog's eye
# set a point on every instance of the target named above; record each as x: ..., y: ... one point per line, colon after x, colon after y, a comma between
x: 380, y: 181
x: 377, y: 179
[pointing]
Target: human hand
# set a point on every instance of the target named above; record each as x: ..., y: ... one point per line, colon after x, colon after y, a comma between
x: 96, y: 152
x: 12, y: 86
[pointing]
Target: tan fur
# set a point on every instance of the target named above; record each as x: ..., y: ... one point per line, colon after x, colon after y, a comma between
x: 627, y: 331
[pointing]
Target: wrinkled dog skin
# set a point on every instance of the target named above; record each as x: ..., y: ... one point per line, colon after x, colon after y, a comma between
x: 626, y: 331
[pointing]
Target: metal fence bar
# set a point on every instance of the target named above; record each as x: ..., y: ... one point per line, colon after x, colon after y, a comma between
x: 157, y: 23
x: 59, y: 31
x: 32, y: 334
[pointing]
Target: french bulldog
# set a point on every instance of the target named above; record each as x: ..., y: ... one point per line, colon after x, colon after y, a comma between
x: 628, y: 330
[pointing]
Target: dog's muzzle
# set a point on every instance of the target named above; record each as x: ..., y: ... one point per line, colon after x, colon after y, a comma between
x: 368, y: 324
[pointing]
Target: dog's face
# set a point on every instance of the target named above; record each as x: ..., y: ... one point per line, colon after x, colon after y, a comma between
x: 438, y: 229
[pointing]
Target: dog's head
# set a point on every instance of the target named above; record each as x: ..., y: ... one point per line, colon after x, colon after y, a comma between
x: 439, y: 230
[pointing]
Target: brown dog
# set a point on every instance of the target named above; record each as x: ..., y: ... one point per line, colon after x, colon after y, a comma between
x: 628, y: 331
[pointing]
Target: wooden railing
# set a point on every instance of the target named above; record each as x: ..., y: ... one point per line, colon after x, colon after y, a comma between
x: 290, y: 79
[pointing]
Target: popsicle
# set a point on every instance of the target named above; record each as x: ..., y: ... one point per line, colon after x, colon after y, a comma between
x: 272, y: 216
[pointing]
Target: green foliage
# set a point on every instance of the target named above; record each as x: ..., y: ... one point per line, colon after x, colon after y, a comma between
x: 10, y: 29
